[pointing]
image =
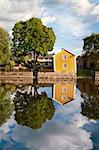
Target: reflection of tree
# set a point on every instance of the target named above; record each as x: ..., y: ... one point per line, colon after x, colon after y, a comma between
x: 6, y: 107
x: 33, y: 111
x: 90, y: 106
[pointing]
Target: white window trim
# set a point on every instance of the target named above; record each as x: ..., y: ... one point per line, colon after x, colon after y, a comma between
x: 63, y: 66
x: 63, y: 57
x: 64, y: 91
x: 63, y: 97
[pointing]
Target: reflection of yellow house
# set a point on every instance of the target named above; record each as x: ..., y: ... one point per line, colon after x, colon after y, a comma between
x: 64, y: 61
x: 64, y: 93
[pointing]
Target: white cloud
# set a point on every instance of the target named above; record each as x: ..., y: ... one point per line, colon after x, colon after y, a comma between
x: 85, y: 8
x: 97, y: 18
x: 61, y: 1
x: 48, y: 19
x: 73, y: 25
x: 13, y: 11
x: 96, y: 12
x: 5, y: 6
x: 74, y: 16
x: 82, y: 7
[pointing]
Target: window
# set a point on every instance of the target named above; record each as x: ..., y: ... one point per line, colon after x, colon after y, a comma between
x: 63, y: 97
x: 64, y: 89
x: 64, y: 65
x: 64, y: 57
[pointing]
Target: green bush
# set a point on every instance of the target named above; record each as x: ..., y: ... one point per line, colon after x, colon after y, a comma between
x: 8, y: 67
x: 84, y: 72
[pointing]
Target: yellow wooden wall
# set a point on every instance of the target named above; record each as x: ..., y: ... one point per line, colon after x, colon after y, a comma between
x: 70, y: 61
x: 69, y: 94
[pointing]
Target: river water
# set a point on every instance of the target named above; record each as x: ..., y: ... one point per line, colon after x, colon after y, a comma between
x: 53, y: 116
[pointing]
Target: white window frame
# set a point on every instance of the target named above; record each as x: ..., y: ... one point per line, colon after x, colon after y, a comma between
x: 63, y: 66
x: 63, y: 97
x: 64, y: 89
x: 63, y: 57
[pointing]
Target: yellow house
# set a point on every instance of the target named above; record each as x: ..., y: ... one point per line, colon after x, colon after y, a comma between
x: 64, y: 61
x: 64, y: 93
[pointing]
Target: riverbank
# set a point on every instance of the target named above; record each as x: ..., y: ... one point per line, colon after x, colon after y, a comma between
x: 29, y: 74
x: 84, y: 77
x: 26, y: 77
x: 16, y: 77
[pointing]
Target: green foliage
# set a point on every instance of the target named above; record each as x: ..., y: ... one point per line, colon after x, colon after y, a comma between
x: 32, y: 36
x: 11, y: 64
x: 31, y: 111
x: 90, y: 107
x: 90, y: 95
x: 6, y: 107
x: 8, y: 67
x: 84, y: 72
x: 5, y: 52
x: 91, y: 43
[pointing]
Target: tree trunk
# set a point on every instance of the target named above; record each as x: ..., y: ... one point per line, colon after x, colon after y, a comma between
x: 35, y: 69
x: 35, y: 84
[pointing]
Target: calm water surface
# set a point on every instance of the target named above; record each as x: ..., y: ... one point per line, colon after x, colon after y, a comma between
x: 60, y: 116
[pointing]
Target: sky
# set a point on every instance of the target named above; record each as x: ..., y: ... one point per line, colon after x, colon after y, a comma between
x: 71, y: 20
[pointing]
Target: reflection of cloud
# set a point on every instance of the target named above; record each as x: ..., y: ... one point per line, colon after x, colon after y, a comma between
x: 68, y: 111
x: 79, y: 120
x: 55, y: 136
x: 5, y: 128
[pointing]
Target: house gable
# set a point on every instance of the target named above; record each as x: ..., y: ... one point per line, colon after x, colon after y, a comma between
x: 64, y: 61
x: 64, y: 50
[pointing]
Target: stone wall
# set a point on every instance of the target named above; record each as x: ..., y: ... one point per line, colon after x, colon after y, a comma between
x: 19, y: 74
x: 16, y: 77
x: 16, y: 74
x: 26, y: 77
x: 55, y: 75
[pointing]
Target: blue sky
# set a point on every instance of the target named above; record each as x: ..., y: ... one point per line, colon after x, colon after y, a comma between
x: 72, y: 20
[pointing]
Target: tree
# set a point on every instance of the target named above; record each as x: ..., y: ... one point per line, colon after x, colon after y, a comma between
x: 32, y: 36
x: 91, y: 49
x: 5, y: 52
x: 6, y: 107
x: 90, y: 106
x: 91, y: 44
x: 31, y: 111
